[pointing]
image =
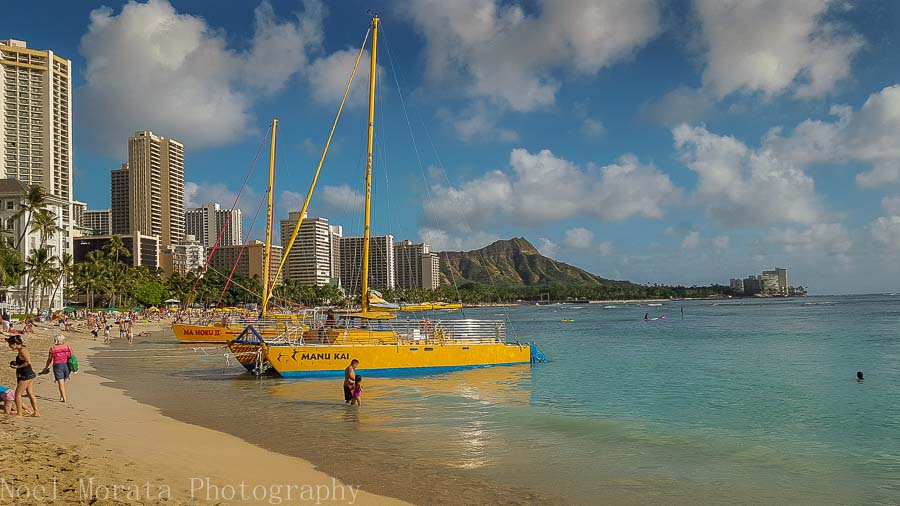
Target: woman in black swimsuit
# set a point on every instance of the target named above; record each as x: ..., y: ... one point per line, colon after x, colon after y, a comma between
x: 24, y: 375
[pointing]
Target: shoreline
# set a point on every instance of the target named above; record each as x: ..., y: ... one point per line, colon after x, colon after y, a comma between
x: 106, y: 445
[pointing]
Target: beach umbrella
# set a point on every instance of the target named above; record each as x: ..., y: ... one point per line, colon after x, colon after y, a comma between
x: 69, y: 308
x: 153, y: 309
x: 136, y: 308
x: 171, y: 301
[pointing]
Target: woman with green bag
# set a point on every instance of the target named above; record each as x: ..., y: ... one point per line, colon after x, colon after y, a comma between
x: 60, y: 357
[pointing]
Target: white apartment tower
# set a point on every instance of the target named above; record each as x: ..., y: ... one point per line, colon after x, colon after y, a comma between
x: 381, y: 263
x: 153, y: 180
x: 206, y: 221
x: 36, y: 128
x: 312, y: 258
x: 416, y: 266
x: 97, y: 221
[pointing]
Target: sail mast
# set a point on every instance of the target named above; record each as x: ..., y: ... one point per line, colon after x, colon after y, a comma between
x: 371, y: 136
x: 267, y: 261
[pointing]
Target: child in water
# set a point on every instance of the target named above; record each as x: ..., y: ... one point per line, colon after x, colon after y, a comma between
x: 357, y: 390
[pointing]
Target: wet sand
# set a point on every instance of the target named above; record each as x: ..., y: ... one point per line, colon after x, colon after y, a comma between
x: 106, y: 446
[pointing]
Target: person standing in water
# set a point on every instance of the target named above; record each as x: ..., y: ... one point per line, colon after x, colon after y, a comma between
x: 859, y: 376
x: 24, y: 375
x: 350, y: 380
x: 357, y: 391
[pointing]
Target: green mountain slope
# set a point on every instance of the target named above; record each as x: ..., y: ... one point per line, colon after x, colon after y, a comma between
x: 513, y: 262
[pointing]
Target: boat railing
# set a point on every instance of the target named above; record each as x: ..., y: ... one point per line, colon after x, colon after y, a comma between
x: 444, y: 330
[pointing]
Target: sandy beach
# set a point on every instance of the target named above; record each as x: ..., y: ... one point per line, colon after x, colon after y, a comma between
x: 105, y: 447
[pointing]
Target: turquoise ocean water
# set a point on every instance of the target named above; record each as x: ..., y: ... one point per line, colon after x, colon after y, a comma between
x: 747, y: 401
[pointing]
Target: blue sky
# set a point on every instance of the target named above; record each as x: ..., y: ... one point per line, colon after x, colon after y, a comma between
x: 657, y: 141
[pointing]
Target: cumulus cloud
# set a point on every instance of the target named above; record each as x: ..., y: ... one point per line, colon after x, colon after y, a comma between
x: 826, y: 238
x: 151, y: 67
x: 870, y: 135
x: 199, y: 194
x: 497, y: 51
x: 886, y: 231
x: 693, y: 241
x: 547, y: 247
x: 477, y: 123
x: 762, y: 47
x: 441, y: 240
x: 744, y: 187
x: 772, y: 46
x: 328, y: 77
x: 342, y: 199
x: 542, y: 188
x: 579, y: 238
x: 592, y: 127
x: 681, y: 105
x: 891, y: 206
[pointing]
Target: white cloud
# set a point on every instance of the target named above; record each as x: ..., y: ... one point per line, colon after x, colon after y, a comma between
x: 477, y: 123
x: 681, y: 105
x: 744, y: 187
x: 691, y: 241
x: 198, y: 194
x: 579, y: 238
x: 891, y: 206
x: 441, y: 240
x: 772, y: 46
x: 828, y: 238
x: 886, y: 231
x: 497, y: 51
x: 604, y: 248
x: 547, y: 247
x: 328, y: 77
x: 151, y: 67
x: 544, y: 188
x: 342, y: 199
x: 870, y: 135
x: 593, y: 128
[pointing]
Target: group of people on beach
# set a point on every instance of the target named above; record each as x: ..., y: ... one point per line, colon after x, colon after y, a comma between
x: 60, y: 359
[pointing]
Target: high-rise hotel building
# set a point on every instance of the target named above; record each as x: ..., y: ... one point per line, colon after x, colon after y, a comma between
x: 36, y: 128
x: 207, y: 221
x: 153, y: 181
x: 315, y: 257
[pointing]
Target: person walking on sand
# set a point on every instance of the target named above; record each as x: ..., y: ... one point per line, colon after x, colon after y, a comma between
x: 106, y: 333
x: 6, y: 321
x: 130, y: 332
x: 24, y: 375
x: 357, y: 391
x: 350, y: 380
x: 59, y: 359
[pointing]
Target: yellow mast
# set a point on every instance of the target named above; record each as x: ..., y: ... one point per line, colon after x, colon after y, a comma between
x: 371, y: 136
x: 267, y: 261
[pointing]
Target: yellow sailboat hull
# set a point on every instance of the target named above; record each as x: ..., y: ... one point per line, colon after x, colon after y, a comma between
x: 216, y: 333
x: 327, y: 360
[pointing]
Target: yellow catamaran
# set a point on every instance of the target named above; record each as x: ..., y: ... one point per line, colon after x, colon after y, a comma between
x: 374, y: 336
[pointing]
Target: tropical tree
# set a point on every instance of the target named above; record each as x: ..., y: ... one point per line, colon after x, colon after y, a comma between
x: 43, y: 222
x: 64, y: 271
x: 116, y: 248
x: 35, y: 200
x: 41, y: 273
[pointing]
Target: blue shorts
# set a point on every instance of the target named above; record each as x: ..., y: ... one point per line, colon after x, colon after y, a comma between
x: 61, y: 371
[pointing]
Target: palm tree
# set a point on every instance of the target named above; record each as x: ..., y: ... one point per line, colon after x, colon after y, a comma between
x: 64, y: 273
x: 43, y: 222
x: 38, y: 266
x: 116, y: 247
x: 35, y: 200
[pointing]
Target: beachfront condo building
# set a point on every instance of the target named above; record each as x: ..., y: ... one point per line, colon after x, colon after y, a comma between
x: 36, y: 137
x: 416, y: 266
x: 207, y: 221
x: 36, y: 132
x: 121, y: 206
x: 97, y: 221
x: 737, y: 285
x: 311, y: 260
x: 250, y: 260
x: 189, y: 255
x: 142, y: 249
x: 381, y: 263
x: 149, y: 190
